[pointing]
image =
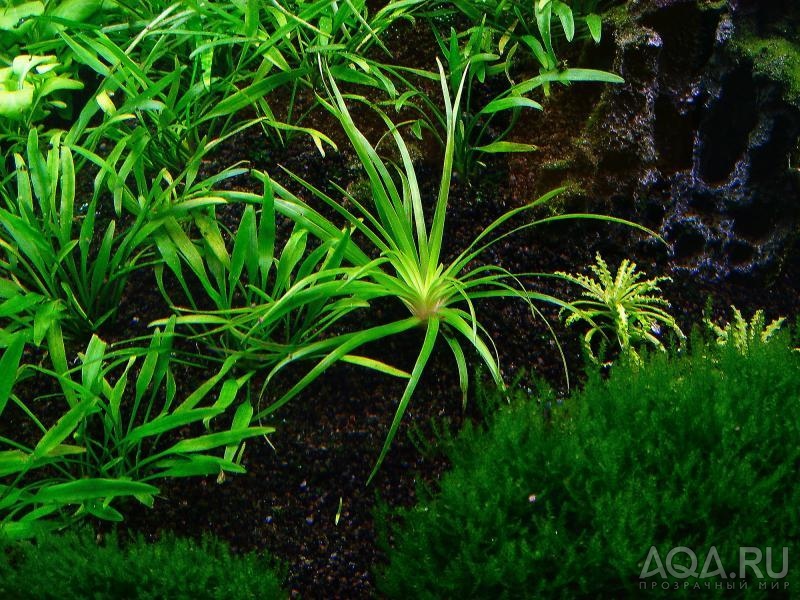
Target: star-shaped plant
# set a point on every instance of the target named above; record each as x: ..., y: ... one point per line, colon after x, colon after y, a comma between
x: 622, y: 308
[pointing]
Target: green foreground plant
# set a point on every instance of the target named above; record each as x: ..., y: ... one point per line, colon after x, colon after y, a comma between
x: 114, y: 435
x: 622, y: 306
x: 565, y: 499
x: 80, y: 565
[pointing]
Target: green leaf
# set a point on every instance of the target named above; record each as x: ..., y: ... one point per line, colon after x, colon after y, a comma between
x: 107, y: 513
x: 503, y: 147
x: 461, y: 363
x: 9, y: 363
x: 64, y: 427
x: 538, y: 50
x: 431, y: 334
x: 245, y: 248
x: 13, y: 17
x: 40, y: 176
x: 509, y: 103
x: 67, y: 194
x: 82, y: 490
x: 227, y: 394
x: 375, y: 365
x: 266, y: 232
x: 246, y: 97
x: 241, y: 420
x: 215, y: 440
x: 595, y: 24
x: 13, y: 461
x: 55, y: 84
x: 197, y: 465
x: 165, y: 423
x: 564, y: 14
x: 92, y: 364
x: 14, y: 103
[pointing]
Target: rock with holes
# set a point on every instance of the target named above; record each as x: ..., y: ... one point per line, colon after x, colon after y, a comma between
x: 704, y: 132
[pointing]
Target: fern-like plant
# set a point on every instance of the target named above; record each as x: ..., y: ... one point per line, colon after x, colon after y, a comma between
x: 742, y: 333
x: 623, y: 308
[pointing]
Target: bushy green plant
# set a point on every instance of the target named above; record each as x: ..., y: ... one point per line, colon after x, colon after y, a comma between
x: 742, y: 333
x: 623, y: 307
x: 54, y: 244
x: 79, y: 565
x: 268, y: 303
x: 565, y: 499
x: 109, y: 440
x: 440, y: 297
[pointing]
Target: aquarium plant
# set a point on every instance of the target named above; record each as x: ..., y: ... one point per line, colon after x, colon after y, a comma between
x: 118, y: 411
x: 741, y: 332
x: 568, y: 497
x: 440, y: 297
x: 622, y: 308
x: 82, y: 564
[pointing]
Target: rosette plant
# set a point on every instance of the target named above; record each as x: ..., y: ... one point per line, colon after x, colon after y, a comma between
x: 440, y: 297
x: 622, y: 307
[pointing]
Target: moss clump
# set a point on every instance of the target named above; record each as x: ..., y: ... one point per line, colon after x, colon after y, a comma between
x: 75, y: 565
x: 566, y: 500
x: 774, y: 58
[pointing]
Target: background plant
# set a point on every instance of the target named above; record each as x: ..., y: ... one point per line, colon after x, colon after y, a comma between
x: 61, y: 246
x: 483, y: 129
x: 625, y: 307
x: 348, y: 38
x: 181, y: 71
x: 566, y: 499
x: 533, y: 26
x: 184, y: 82
x: 40, y: 67
x: 30, y: 89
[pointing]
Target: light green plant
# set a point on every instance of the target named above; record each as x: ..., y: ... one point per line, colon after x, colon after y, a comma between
x: 54, y: 244
x: 26, y: 86
x: 37, y: 67
x: 114, y: 438
x: 268, y: 302
x: 622, y: 308
x: 742, y: 333
x: 38, y: 22
x: 440, y: 297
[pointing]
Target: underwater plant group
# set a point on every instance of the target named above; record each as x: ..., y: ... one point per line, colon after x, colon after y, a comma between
x: 168, y: 293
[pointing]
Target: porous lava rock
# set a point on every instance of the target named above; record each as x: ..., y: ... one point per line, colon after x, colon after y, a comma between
x: 700, y: 142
